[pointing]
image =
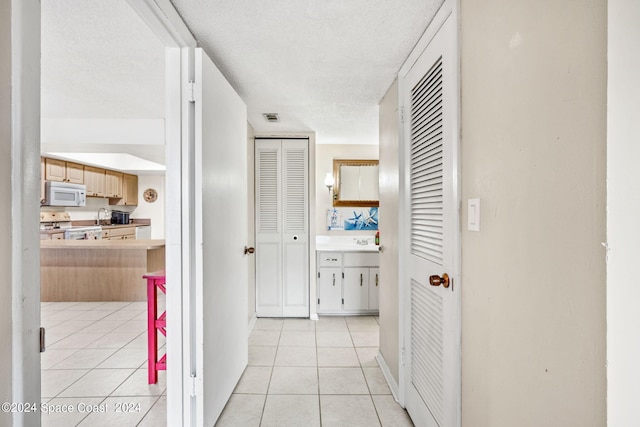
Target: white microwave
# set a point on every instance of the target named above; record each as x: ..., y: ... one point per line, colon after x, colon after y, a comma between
x: 64, y: 194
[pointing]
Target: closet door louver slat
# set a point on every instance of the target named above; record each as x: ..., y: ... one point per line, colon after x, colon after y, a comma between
x: 268, y: 181
x: 426, y: 167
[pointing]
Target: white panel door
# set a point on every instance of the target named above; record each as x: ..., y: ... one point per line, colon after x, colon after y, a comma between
x: 282, y: 228
x: 268, y: 158
x: 330, y: 290
x: 295, y: 226
x: 220, y: 318
x: 432, y: 325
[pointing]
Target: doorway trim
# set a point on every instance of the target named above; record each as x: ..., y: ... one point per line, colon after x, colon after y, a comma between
x: 165, y: 22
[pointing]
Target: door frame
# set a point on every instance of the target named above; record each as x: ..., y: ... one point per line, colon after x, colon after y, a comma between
x: 449, y: 10
x: 180, y: 214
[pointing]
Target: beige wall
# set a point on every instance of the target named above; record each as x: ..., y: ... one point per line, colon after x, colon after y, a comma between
x: 389, y: 189
x: 533, y: 150
x: 623, y: 203
x: 325, y: 153
x: 5, y: 208
x: 251, y: 215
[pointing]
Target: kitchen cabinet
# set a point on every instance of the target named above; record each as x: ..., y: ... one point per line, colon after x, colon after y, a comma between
x: 129, y: 191
x: 348, y: 282
x: 42, y: 175
x: 113, y: 184
x: 94, y: 179
x: 61, y: 171
x: 119, y: 233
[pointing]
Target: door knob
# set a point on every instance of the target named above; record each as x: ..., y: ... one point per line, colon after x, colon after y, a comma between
x: 248, y: 250
x: 437, y: 280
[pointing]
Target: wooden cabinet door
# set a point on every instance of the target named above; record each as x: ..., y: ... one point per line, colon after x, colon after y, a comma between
x: 74, y: 173
x: 113, y: 184
x: 130, y: 189
x: 356, y: 288
x: 330, y: 290
x: 95, y: 181
x: 55, y: 170
x: 42, y: 174
x: 374, y: 289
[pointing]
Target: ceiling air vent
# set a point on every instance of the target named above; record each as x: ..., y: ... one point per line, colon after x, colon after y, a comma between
x: 270, y: 117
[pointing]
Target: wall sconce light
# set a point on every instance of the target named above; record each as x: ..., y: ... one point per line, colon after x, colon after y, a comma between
x: 329, y: 181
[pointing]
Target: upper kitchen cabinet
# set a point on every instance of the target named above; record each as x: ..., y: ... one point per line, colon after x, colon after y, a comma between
x: 113, y: 184
x: 95, y: 180
x: 61, y: 171
x: 129, y: 191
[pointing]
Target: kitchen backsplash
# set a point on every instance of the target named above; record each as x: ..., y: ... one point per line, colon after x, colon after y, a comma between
x: 90, y: 211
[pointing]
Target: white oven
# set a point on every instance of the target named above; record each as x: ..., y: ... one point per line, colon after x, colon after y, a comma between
x: 64, y: 194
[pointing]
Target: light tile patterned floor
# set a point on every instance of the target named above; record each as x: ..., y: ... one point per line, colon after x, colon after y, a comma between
x: 300, y: 373
x: 306, y: 373
x: 96, y: 360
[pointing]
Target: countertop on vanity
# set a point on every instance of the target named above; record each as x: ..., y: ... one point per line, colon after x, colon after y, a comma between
x: 345, y: 244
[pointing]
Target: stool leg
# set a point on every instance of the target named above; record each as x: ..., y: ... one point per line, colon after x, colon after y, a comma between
x: 151, y: 330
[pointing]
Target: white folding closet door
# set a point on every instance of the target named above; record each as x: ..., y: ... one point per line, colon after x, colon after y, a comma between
x: 282, y: 223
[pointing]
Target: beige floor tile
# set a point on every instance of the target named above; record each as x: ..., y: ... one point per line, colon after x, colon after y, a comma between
x: 337, y: 357
x: 242, y: 410
x: 348, y: 411
x: 92, y: 315
x: 362, y: 323
x: 376, y: 381
x: 296, y: 356
x: 85, y: 306
x: 113, y: 305
x: 291, y: 411
x: 333, y: 339
x: 254, y: 380
x: 125, y: 358
x: 331, y: 323
x: 391, y: 414
x: 264, y: 337
x: 266, y: 324
x: 261, y: 356
x: 124, y: 314
x: 52, y: 338
x: 298, y: 339
x: 294, y: 380
x: 75, y: 341
x: 113, y: 340
x: 85, y: 358
x: 75, y: 411
x: 299, y: 325
x: 52, y: 357
x: 342, y: 381
x: 105, y: 326
x: 141, y: 341
x: 138, y: 385
x: 367, y: 356
x: 97, y: 383
x: 54, y: 381
x: 120, y: 412
x: 157, y: 415
x: 72, y: 326
x: 366, y: 339
x: 133, y: 326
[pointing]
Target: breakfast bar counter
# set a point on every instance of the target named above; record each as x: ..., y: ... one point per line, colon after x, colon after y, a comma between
x: 98, y: 270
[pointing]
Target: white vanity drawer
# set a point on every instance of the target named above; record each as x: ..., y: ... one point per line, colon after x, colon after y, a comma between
x: 361, y: 259
x: 330, y: 259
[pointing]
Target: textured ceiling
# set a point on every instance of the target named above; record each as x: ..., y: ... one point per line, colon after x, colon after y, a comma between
x: 99, y: 60
x: 323, y: 66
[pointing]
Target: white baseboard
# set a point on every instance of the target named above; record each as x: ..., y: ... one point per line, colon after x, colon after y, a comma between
x: 252, y: 323
x: 314, y: 316
x: 387, y: 376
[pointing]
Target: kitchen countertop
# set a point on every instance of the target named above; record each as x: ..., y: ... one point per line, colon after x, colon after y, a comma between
x: 102, y: 244
x: 345, y: 244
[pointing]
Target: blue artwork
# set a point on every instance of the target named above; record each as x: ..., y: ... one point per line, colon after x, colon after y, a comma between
x: 334, y: 220
x: 363, y: 220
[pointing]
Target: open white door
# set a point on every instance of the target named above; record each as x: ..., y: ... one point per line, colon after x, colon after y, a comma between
x: 219, y: 323
x: 431, y: 295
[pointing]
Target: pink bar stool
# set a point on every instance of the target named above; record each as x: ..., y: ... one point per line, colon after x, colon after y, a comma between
x: 156, y: 280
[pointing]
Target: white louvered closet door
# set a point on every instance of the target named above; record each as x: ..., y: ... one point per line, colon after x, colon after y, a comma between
x: 282, y: 223
x: 431, y: 311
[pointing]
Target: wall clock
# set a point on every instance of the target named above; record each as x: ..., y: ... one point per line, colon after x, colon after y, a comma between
x: 150, y: 195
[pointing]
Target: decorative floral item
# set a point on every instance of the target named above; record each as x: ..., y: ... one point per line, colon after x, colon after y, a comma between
x: 150, y: 195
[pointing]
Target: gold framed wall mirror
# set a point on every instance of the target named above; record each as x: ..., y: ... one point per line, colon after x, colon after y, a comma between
x: 356, y: 183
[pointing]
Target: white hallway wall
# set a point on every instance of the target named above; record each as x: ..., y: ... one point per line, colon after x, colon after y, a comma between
x: 623, y: 204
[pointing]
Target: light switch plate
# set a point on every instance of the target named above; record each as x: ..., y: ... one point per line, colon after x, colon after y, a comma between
x: 473, y: 219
